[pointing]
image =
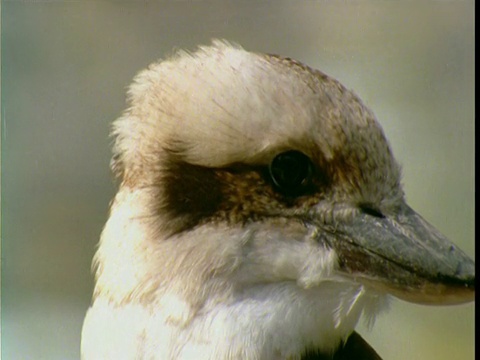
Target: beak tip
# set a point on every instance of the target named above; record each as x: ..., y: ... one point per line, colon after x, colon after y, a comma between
x: 466, y: 269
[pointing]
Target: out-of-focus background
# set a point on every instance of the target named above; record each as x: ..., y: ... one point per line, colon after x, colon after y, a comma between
x: 65, y: 69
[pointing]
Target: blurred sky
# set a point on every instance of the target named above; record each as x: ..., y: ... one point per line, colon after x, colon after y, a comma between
x: 65, y: 69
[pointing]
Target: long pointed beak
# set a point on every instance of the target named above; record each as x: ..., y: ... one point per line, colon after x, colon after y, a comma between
x: 406, y: 257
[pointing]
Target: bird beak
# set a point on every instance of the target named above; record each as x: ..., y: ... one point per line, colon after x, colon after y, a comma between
x: 405, y: 256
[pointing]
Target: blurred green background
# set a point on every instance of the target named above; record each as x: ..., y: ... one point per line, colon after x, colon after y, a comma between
x: 65, y: 69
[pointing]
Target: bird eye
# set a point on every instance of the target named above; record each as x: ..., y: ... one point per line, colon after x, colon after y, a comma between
x: 291, y: 173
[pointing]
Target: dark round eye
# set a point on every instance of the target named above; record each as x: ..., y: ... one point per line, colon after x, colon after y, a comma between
x: 291, y: 173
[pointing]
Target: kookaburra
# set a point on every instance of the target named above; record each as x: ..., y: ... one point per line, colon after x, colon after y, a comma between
x: 259, y: 215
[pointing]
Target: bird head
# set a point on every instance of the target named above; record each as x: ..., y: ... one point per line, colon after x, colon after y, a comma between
x: 252, y: 184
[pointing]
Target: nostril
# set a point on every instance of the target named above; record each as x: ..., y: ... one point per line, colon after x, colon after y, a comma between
x: 370, y: 210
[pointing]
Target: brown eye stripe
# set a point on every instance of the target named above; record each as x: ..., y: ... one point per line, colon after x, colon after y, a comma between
x: 192, y: 194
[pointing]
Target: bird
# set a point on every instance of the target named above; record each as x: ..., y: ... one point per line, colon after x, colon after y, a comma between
x: 260, y: 215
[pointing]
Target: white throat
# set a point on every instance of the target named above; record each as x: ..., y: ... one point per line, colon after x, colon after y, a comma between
x: 267, y: 322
